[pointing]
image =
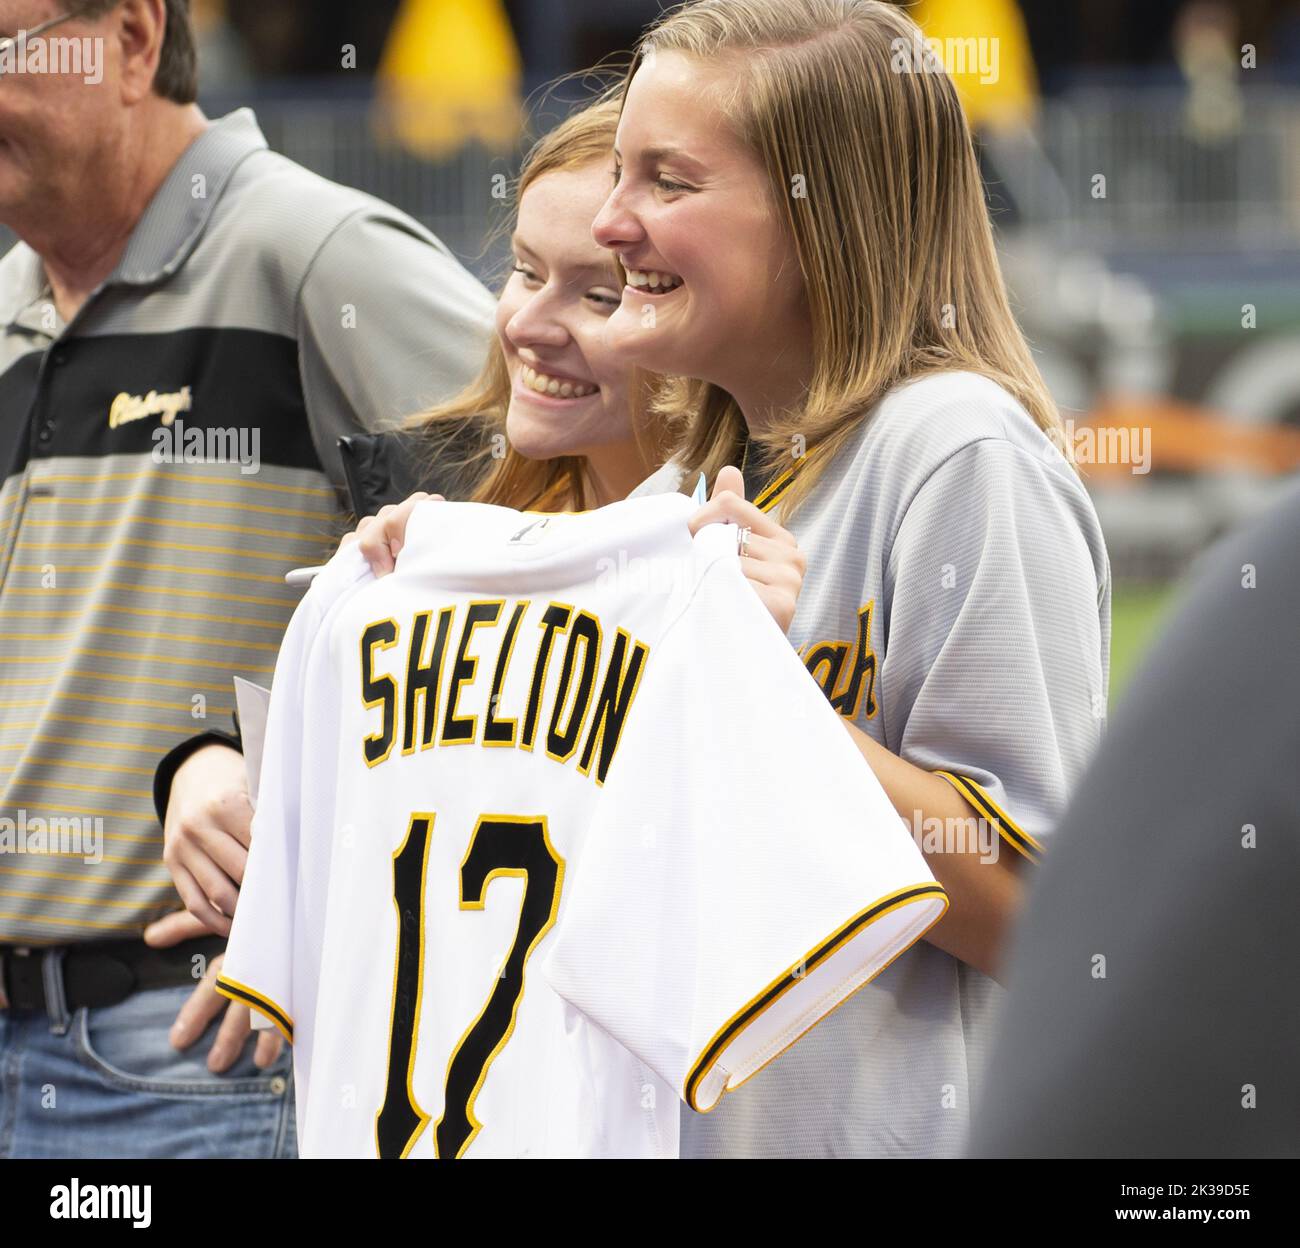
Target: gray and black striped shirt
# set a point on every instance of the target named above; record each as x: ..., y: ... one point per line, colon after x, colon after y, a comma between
x: 164, y: 459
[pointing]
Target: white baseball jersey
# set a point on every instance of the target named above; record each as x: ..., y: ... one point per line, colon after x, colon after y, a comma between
x: 555, y: 832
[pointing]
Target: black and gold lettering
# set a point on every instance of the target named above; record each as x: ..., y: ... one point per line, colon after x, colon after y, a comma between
x: 457, y: 729
x: 846, y: 671
x: 612, y: 705
x: 423, y: 679
x: 554, y: 619
x: 400, y: 1119
x: 501, y: 845
x: 379, y: 690
x: 497, y: 731
x: 562, y: 742
x: 584, y: 717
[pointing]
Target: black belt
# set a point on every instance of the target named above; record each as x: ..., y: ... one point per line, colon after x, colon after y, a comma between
x: 99, y: 973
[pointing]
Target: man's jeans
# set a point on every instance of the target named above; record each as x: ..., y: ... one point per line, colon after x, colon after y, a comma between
x: 111, y: 1085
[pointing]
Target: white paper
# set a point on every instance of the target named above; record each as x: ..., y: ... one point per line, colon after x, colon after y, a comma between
x: 252, y: 701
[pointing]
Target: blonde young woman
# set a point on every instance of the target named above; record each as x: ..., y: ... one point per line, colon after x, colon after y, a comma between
x: 799, y: 178
x: 799, y: 215
x: 558, y: 418
x: 553, y: 422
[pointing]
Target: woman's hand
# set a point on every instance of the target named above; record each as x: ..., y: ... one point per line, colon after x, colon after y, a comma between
x: 382, y: 536
x: 773, y: 562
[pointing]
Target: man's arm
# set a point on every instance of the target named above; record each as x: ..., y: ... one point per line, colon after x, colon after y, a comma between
x: 389, y: 323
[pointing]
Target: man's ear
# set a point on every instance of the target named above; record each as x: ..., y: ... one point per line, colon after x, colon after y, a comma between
x: 139, y: 28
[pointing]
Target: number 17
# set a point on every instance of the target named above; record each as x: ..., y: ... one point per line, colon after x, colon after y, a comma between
x: 518, y: 845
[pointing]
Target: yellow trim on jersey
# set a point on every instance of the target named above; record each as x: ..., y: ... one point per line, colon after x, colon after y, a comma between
x: 794, y: 974
x: 771, y: 493
x: 1011, y: 832
x: 245, y: 995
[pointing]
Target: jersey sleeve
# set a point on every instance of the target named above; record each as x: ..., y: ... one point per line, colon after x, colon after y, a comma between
x: 995, y: 671
x: 745, y: 872
x: 258, y: 969
x: 258, y: 966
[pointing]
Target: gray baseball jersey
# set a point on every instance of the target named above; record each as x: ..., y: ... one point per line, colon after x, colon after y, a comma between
x: 956, y: 607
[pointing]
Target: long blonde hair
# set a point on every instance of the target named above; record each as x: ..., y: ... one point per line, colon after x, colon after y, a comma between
x: 872, y: 169
x: 467, y: 433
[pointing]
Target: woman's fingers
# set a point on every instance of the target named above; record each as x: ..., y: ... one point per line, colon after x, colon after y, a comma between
x: 373, y: 541
x: 772, y: 563
x: 727, y: 507
x: 382, y: 536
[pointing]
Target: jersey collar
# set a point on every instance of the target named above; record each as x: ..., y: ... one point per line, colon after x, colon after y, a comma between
x: 770, y: 495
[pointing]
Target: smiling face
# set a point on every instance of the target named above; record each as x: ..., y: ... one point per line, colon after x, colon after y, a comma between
x: 569, y: 391
x: 714, y: 285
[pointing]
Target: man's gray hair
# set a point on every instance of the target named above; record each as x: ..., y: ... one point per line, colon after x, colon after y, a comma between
x: 177, y: 78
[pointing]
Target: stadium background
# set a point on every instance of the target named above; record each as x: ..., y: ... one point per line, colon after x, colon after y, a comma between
x: 1167, y: 305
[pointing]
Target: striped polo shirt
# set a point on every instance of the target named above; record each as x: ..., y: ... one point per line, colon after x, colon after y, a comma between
x: 165, y: 458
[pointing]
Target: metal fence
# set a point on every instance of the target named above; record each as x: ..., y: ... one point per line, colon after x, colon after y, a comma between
x: 344, y: 141
x: 1166, y: 184
x: 1107, y: 168
x: 1132, y: 167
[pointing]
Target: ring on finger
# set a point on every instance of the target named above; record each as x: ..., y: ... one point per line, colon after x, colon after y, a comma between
x: 742, y: 541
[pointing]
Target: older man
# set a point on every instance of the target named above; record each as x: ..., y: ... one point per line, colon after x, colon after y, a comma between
x: 186, y: 327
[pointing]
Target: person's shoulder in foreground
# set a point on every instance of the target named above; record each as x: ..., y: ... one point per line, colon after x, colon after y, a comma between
x: 1151, y: 1010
